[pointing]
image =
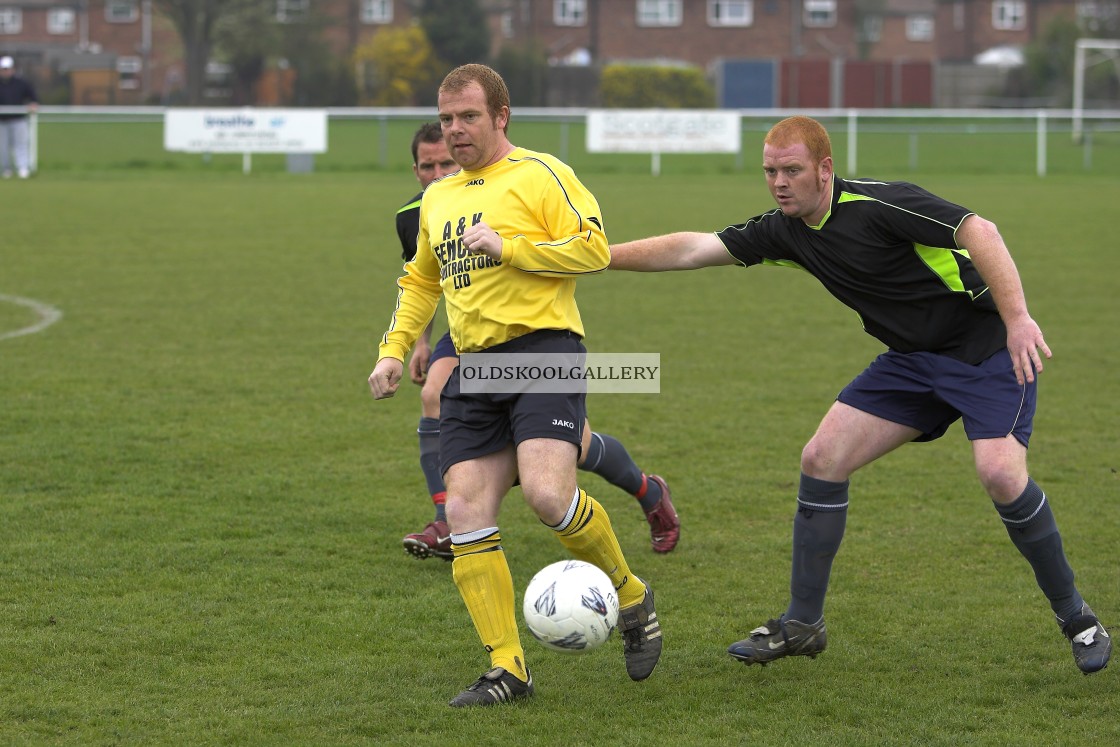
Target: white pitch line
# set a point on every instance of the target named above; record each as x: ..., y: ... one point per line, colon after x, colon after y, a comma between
x: 48, y: 315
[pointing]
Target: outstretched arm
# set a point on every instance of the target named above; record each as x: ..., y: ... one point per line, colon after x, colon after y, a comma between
x: 674, y: 251
x: 989, y: 253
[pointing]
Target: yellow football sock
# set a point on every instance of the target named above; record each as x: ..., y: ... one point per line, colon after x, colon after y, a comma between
x: 482, y: 575
x: 587, y: 533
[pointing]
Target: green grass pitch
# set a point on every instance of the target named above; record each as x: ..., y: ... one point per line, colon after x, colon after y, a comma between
x: 201, y: 506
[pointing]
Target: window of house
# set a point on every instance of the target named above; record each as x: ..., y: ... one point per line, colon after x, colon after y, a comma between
x: 569, y: 12
x: 730, y: 12
x: 11, y: 20
x: 820, y: 13
x: 1009, y: 15
x: 659, y: 12
x: 128, y: 73
x: 292, y: 11
x: 377, y: 11
x: 61, y: 21
x: 919, y: 28
x: 959, y: 15
x: 121, y: 11
x: 507, y: 25
x: 1095, y: 15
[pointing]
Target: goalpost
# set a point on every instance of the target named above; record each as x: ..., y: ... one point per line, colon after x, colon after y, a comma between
x: 1104, y: 49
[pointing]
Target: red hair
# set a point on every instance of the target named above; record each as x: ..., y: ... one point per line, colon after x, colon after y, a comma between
x: 801, y: 130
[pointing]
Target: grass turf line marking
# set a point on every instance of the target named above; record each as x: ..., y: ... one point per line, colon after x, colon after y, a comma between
x: 48, y: 315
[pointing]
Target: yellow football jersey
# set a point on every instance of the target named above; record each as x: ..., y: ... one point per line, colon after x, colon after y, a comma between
x: 552, y: 232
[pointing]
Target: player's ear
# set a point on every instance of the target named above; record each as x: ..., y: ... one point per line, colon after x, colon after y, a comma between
x: 825, y: 168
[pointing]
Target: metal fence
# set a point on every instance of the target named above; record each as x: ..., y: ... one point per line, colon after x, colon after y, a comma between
x: 865, y: 141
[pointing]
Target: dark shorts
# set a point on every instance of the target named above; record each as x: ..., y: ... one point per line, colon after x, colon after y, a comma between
x: 930, y: 392
x: 443, y: 349
x: 474, y: 425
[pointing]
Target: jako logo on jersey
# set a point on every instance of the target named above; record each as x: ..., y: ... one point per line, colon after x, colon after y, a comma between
x: 475, y: 183
x: 564, y: 423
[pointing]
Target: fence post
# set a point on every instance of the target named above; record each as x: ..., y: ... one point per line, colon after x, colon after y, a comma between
x: 1041, y: 147
x: 852, y: 140
x: 384, y: 131
x: 33, y: 142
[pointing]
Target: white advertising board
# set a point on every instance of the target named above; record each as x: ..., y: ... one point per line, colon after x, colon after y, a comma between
x: 245, y: 130
x: 663, y: 131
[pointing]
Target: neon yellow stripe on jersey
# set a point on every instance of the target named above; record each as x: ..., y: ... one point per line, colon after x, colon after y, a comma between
x: 938, y: 259
x: 849, y: 197
x: 784, y: 263
x: 944, y: 265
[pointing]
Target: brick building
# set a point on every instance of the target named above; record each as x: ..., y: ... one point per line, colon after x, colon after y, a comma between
x: 123, y: 51
x: 115, y: 51
x: 699, y: 31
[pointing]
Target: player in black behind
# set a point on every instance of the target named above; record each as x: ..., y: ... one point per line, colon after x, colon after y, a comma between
x: 936, y: 284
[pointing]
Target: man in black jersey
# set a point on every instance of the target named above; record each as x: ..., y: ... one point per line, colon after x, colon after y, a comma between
x: 936, y: 284
x: 430, y: 368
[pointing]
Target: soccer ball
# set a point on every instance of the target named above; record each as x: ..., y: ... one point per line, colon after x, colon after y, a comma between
x: 571, y: 607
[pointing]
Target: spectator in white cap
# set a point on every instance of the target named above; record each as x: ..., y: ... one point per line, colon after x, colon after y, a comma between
x: 15, y: 92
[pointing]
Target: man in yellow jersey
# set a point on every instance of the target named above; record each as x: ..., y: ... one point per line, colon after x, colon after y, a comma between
x: 430, y: 367
x: 504, y: 240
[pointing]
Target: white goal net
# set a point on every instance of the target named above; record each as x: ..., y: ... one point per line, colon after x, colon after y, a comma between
x: 1089, y: 52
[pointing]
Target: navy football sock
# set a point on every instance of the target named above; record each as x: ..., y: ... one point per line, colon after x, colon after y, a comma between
x: 1031, y: 526
x: 429, y: 463
x: 608, y: 458
x: 818, y: 528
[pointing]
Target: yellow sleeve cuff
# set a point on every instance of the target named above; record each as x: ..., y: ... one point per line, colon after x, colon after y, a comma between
x: 392, y: 350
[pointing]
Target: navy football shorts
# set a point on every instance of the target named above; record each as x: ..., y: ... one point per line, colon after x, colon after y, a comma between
x: 474, y: 425
x: 443, y: 349
x: 929, y: 392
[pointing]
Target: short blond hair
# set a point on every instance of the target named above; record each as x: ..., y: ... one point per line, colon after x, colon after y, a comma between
x: 803, y: 130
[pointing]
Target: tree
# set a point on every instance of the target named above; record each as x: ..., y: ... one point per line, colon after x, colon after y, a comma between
x: 322, y: 77
x: 1047, y: 76
x: 457, y: 30
x: 196, y: 22
x: 869, y: 18
x: 524, y: 67
x: 397, y: 67
x: 247, y: 38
